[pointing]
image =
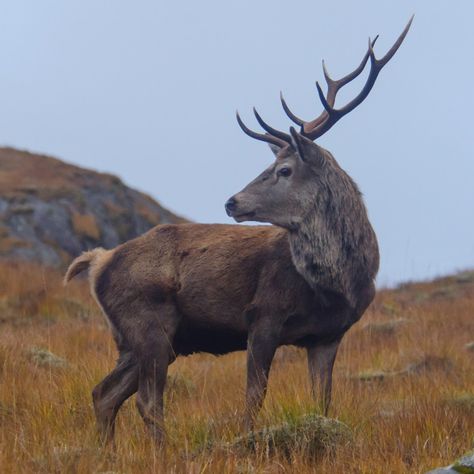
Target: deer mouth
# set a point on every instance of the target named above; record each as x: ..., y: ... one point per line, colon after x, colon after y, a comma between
x: 244, y: 216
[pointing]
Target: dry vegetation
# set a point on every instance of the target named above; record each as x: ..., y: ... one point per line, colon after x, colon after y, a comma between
x: 404, y: 386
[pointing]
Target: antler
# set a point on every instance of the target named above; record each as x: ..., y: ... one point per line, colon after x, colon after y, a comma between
x: 333, y: 88
x: 320, y: 125
x: 273, y: 136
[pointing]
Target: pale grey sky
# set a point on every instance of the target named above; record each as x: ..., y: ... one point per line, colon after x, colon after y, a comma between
x: 147, y: 90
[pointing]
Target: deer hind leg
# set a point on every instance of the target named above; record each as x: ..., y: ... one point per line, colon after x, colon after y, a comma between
x: 155, y: 353
x: 321, y: 360
x: 109, y: 395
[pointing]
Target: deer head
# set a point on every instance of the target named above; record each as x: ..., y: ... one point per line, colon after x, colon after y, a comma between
x: 283, y: 193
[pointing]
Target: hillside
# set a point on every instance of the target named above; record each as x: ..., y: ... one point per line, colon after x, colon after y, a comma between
x: 50, y: 211
x: 403, y: 386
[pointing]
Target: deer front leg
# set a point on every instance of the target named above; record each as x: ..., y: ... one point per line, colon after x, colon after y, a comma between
x: 320, y: 364
x: 261, y: 346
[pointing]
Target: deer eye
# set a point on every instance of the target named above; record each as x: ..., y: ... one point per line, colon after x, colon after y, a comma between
x: 285, y: 172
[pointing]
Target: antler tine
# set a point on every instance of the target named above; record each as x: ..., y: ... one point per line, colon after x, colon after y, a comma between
x: 334, y: 85
x: 272, y: 131
x: 397, y: 44
x: 288, y: 112
x: 351, y: 76
x: 318, y: 127
x: 264, y: 137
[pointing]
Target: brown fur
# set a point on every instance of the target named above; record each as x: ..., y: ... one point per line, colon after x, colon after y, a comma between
x: 180, y: 289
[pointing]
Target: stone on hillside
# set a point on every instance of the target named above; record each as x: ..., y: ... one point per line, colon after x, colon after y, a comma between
x: 443, y: 470
x: 45, y: 358
x: 427, y: 364
x: 463, y: 401
x: 470, y: 346
x: 51, y: 211
x: 384, y: 327
x: 312, y: 434
x: 464, y: 465
x: 465, y: 277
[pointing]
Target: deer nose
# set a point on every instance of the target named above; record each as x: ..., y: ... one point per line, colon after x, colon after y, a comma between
x: 230, y: 206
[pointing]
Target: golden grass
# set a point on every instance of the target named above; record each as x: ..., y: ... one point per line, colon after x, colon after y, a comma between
x: 411, y: 421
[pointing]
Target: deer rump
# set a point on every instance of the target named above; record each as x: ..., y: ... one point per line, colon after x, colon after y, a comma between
x: 218, y: 279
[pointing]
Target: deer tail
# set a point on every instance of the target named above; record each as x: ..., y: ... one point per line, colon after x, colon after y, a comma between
x: 81, y: 263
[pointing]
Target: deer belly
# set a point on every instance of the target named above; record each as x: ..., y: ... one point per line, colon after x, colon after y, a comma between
x: 194, y: 337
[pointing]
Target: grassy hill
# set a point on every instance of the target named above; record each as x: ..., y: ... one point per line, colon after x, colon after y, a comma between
x: 50, y: 211
x: 404, y: 386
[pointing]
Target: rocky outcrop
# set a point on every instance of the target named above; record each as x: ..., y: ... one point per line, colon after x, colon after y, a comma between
x: 464, y: 465
x: 51, y: 211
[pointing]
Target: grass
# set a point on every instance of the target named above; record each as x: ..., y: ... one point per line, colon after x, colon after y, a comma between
x: 412, y: 421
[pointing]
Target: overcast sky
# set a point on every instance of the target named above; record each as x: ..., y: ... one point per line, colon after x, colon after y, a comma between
x: 148, y: 90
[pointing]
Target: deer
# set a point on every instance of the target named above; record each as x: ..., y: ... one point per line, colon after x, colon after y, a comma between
x: 304, y: 280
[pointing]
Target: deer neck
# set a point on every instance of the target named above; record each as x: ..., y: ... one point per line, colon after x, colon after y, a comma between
x: 334, y: 247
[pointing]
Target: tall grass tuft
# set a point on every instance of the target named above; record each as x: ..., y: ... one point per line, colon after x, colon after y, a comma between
x: 55, y: 346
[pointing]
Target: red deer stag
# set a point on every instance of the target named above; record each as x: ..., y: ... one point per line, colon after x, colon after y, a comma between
x: 180, y: 289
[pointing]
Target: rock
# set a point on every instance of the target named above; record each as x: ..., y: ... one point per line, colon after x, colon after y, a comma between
x: 470, y: 346
x: 310, y: 433
x: 464, y: 465
x: 51, y: 211
x: 461, y: 401
x: 428, y: 364
x: 384, y: 327
x: 45, y: 358
x: 465, y: 277
x: 442, y: 470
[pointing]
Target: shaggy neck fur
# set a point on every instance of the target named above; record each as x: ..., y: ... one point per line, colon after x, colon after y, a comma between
x: 334, y: 247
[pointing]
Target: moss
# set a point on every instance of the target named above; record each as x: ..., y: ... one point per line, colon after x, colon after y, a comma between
x: 311, y: 434
x: 45, y: 358
x: 372, y: 376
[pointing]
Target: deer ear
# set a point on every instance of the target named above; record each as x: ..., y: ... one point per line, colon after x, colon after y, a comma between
x: 307, y: 150
x: 275, y: 149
